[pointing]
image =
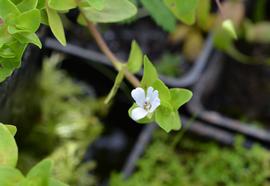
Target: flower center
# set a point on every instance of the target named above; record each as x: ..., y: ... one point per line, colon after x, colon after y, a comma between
x: 147, y: 105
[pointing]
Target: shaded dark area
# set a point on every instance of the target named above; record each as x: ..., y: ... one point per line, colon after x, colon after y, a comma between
x: 240, y: 91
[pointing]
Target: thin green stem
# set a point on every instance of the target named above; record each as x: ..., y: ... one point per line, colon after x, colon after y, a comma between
x: 118, y: 65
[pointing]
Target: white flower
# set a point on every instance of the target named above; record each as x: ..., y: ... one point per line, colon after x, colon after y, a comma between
x: 147, y: 103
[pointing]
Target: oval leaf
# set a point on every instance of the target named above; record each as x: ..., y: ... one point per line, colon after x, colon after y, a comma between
x: 184, y: 10
x: 135, y: 58
x: 62, y: 5
x: 167, y: 118
x: 10, y: 176
x: 179, y: 96
x: 149, y: 74
x: 56, y: 25
x: 40, y: 174
x: 8, y: 148
x: 113, y: 11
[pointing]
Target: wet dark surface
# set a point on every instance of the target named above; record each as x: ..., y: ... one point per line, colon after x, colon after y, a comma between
x: 241, y: 92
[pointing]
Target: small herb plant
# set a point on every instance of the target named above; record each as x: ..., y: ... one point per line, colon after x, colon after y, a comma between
x: 154, y: 101
x: 20, y: 19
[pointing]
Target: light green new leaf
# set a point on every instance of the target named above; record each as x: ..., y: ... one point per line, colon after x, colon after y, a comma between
x: 27, y: 5
x: 113, y: 11
x: 167, y: 118
x: 118, y: 80
x: 160, y: 13
x: 54, y: 182
x: 29, y: 21
x: 6, y: 52
x: 62, y: 5
x: 10, y: 176
x: 9, y: 65
x: 135, y: 58
x: 40, y: 174
x: 184, y: 10
x: 229, y: 27
x: 12, y: 129
x: 7, y: 8
x: 26, y: 38
x: 97, y: 4
x: 56, y: 25
x: 163, y: 91
x: 149, y: 75
x: 179, y: 96
x: 8, y: 148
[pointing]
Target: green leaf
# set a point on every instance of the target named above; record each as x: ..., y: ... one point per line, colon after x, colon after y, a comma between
x: 179, y: 96
x: 149, y: 75
x: 62, y: 5
x: 118, y: 80
x: 203, y: 12
x: 97, y: 4
x: 135, y: 58
x: 40, y: 174
x: 6, y: 52
x: 27, y: 5
x: 44, y: 17
x: 113, y: 11
x: 41, y: 4
x: 25, y: 37
x: 184, y: 10
x: 55, y: 182
x: 163, y: 91
x: 56, y: 25
x: 222, y: 39
x: 160, y: 13
x: 12, y: 129
x: 10, y: 176
x: 29, y: 21
x: 7, y: 8
x: 167, y: 118
x: 229, y: 27
x: 81, y: 20
x: 8, y: 148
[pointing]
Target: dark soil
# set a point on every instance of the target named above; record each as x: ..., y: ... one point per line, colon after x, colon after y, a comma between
x: 241, y: 92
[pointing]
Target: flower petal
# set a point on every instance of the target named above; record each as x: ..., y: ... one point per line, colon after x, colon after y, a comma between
x: 138, y: 95
x: 154, y: 104
x: 149, y: 92
x: 138, y: 113
x: 154, y: 96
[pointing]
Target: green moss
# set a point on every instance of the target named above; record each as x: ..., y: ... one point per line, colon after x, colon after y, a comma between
x: 198, y: 163
x: 68, y: 124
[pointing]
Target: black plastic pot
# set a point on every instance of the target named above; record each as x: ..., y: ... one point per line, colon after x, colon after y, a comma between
x: 229, y: 89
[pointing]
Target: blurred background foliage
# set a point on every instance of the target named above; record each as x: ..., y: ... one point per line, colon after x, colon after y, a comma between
x: 68, y: 124
x: 197, y: 162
